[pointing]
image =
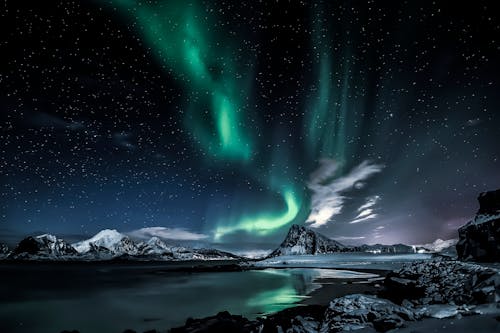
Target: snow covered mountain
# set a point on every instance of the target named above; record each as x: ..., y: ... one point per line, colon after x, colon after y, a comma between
x: 154, y: 246
x: 112, y: 244
x: 44, y: 247
x: 302, y: 240
x: 106, y: 245
x: 110, y: 239
x: 438, y: 245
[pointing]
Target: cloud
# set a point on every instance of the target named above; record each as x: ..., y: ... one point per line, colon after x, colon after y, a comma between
x: 327, y: 191
x: 343, y: 238
x: 364, y: 218
x: 167, y: 233
x: 370, y: 202
x: 366, y: 211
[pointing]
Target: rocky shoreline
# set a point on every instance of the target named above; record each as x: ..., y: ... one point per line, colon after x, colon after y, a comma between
x: 436, y: 289
x: 441, y: 289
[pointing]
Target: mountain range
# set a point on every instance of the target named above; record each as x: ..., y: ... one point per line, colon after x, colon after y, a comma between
x: 110, y: 244
x: 302, y: 240
x: 105, y: 245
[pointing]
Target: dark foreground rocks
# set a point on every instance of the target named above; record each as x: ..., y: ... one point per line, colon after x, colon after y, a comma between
x: 479, y: 239
x: 443, y: 282
x: 437, y: 289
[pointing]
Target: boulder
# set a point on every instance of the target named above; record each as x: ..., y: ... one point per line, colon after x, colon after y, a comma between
x: 479, y: 239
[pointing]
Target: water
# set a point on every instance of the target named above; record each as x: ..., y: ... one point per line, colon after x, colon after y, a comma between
x: 346, y: 260
x: 112, y: 297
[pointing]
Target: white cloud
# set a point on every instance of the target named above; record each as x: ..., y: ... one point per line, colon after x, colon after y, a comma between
x: 364, y: 213
x: 369, y: 203
x: 343, y: 238
x: 167, y: 233
x: 365, y: 218
x: 327, y: 199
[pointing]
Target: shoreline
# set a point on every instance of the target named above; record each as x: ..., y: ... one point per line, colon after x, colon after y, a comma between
x: 329, y: 289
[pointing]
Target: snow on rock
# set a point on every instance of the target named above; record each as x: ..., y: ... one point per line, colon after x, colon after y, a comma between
x: 302, y: 240
x: 111, y: 244
x: 44, y: 247
x: 438, y: 245
x: 154, y: 246
x: 359, y: 311
x: 439, y: 284
x: 443, y: 282
x: 110, y: 239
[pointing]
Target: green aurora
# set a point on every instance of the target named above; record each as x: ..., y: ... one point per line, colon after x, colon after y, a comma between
x: 173, y: 30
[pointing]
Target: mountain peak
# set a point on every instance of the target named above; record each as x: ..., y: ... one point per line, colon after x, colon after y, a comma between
x: 107, y: 238
x: 45, y: 245
x: 303, y: 240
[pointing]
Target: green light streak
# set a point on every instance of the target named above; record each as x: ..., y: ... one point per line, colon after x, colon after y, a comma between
x: 265, y: 223
x: 179, y: 35
x: 232, y: 141
x: 326, y: 111
x: 172, y: 29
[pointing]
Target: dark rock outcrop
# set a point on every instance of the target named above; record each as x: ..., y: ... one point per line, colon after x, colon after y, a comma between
x: 443, y: 282
x: 222, y: 322
x: 302, y: 240
x: 479, y: 239
x: 43, y: 246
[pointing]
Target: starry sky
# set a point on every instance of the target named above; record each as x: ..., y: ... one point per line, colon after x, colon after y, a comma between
x: 224, y: 122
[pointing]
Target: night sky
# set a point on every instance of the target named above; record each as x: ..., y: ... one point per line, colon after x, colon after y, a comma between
x: 225, y: 122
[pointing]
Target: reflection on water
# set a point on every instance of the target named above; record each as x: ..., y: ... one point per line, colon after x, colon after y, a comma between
x: 274, y: 300
x: 50, y: 299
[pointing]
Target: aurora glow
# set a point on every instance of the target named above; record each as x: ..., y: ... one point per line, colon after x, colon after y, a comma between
x: 230, y: 120
x: 266, y: 222
x: 172, y: 29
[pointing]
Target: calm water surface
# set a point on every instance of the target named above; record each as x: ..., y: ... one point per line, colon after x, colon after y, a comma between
x: 103, y: 298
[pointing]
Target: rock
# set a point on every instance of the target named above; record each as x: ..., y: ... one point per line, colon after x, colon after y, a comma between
x: 302, y: 240
x: 442, y: 282
x: 222, y: 322
x: 364, y: 311
x: 479, y: 239
x: 387, y: 323
x: 43, y: 246
x: 398, y: 288
x: 441, y: 289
